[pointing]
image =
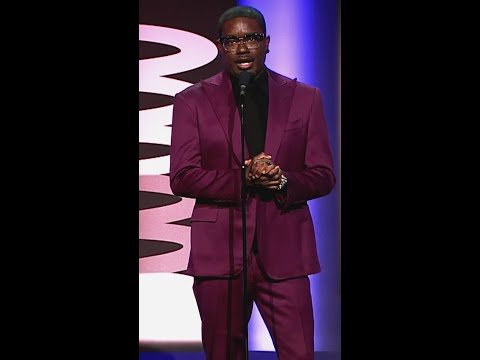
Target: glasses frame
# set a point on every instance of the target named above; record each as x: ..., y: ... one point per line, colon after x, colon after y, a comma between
x: 241, y: 39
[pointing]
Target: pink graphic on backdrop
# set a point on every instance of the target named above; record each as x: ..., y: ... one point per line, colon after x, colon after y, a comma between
x: 154, y: 225
x: 154, y: 128
x: 195, y: 50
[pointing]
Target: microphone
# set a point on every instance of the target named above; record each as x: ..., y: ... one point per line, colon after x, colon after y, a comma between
x: 244, y: 79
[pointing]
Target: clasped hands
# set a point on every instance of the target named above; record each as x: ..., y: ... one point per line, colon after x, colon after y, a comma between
x: 261, y: 172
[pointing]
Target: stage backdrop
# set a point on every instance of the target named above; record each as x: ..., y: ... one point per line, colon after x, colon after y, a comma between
x: 176, y: 49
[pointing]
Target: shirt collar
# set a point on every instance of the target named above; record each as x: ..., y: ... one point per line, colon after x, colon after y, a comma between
x: 260, y: 81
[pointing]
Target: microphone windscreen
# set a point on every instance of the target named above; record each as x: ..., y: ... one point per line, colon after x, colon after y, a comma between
x: 245, y: 77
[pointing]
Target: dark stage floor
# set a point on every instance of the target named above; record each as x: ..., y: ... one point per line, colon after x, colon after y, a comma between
x: 253, y: 355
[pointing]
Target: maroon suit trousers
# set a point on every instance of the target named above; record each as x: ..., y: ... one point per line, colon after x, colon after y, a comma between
x: 285, y: 306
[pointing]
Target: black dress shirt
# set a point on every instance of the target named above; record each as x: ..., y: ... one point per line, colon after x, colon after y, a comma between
x: 256, y: 111
x: 255, y: 118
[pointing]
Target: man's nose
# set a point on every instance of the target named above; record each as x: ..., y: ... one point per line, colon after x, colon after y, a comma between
x: 241, y: 47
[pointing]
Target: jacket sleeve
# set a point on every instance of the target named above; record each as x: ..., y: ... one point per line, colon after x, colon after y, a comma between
x: 187, y: 177
x: 318, y: 177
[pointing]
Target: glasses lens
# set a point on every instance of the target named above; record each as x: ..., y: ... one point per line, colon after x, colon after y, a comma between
x: 230, y: 44
x: 252, y: 41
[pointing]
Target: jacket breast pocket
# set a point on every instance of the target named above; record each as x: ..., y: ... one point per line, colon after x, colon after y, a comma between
x: 204, y: 214
x: 294, y: 125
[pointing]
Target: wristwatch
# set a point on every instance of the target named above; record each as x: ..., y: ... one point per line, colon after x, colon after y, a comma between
x: 283, y: 181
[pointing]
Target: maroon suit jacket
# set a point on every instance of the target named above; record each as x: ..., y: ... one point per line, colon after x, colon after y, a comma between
x: 206, y: 165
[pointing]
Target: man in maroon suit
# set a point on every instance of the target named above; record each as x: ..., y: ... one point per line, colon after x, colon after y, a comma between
x: 289, y: 161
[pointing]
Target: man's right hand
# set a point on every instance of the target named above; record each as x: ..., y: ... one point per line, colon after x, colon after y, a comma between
x: 262, y: 172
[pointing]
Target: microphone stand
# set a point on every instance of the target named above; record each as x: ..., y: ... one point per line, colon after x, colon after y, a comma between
x: 244, y: 222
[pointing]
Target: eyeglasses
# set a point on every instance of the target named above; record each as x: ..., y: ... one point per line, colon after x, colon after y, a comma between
x: 251, y: 41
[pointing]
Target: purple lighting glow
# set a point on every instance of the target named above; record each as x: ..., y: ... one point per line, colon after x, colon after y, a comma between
x: 304, y: 44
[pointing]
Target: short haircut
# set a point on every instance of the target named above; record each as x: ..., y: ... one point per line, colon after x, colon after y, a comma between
x: 241, y: 11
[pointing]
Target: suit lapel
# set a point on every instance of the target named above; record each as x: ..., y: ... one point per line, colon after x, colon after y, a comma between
x: 280, y: 94
x: 220, y: 95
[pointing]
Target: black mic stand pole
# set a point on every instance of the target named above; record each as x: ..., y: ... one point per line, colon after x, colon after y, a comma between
x: 244, y: 222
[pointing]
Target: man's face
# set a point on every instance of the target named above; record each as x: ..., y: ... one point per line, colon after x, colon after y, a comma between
x: 243, y: 58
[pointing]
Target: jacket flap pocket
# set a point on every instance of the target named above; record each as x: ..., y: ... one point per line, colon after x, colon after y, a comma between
x: 208, y: 214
